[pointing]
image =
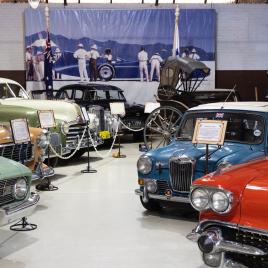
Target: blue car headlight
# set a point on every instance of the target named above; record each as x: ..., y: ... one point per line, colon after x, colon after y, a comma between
x: 144, y: 164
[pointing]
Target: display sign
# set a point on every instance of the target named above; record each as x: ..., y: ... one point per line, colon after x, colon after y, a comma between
x: 209, y: 131
x: 85, y: 114
x: 20, y: 131
x: 150, y: 106
x: 117, y: 108
x: 47, y: 119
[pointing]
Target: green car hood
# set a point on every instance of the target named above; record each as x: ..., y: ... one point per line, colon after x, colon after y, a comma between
x: 10, y: 112
x: 63, y: 110
x: 12, y: 169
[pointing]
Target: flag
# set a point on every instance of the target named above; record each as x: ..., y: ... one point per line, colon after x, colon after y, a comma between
x: 176, y: 40
x: 48, y: 67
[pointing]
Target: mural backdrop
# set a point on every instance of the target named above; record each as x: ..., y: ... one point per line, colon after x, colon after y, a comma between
x: 104, y: 44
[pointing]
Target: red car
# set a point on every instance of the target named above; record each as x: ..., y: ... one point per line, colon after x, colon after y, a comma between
x: 233, y: 205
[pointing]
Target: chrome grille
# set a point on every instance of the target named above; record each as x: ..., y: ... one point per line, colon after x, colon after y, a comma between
x: 75, y: 134
x: 17, y: 152
x: 162, y: 186
x: 181, y: 173
x: 6, y: 190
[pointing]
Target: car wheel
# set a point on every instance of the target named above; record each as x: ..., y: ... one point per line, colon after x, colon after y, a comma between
x: 106, y: 72
x: 151, y: 205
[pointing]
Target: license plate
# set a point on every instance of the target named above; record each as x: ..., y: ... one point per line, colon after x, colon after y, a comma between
x: 105, y: 134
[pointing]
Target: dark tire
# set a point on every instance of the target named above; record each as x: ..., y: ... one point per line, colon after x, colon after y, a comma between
x: 151, y: 205
x: 80, y: 153
x: 52, y: 161
x: 106, y: 72
x: 138, y: 136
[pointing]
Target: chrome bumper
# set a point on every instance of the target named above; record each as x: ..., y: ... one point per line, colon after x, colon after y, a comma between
x: 10, y: 214
x: 42, y: 173
x: 177, y: 199
x: 221, y: 246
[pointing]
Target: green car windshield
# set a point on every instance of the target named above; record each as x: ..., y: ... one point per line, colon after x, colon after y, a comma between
x: 9, y: 90
x: 241, y: 127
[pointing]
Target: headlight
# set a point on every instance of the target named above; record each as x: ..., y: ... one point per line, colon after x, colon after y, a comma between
x: 20, y: 188
x: 200, y: 199
x: 151, y: 186
x: 65, y: 128
x: 144, y: 164
x: 43, y: 141
x: 220, y: 202
x: 96, y: 122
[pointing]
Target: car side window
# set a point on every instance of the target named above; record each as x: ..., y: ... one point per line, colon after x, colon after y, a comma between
x: 5, y: 92
x: 78, y: 94
x: 89, y: 95
x: 66, y: 94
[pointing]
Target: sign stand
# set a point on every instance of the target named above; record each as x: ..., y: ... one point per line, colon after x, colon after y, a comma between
x: 21, y: 135
x: 209, y: 132
x: 88, y: 169
x: 47, y: 121
x: 118, y: 108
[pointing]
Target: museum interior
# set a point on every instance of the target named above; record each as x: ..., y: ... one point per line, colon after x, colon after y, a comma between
x: 133, y: 133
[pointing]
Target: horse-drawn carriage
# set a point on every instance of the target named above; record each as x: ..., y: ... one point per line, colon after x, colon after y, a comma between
x: 177, y: 92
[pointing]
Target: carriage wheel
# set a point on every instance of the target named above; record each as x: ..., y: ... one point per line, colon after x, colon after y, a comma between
x: 160, y: 126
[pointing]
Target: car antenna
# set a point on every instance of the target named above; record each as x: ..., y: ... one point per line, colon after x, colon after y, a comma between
x: 232, y: 90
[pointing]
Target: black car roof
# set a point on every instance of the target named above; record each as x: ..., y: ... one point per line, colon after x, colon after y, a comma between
x: 95, y: 86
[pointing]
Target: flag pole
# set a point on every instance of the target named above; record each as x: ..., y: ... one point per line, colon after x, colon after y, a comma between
x: 47, y: 16
x: 176, y: 33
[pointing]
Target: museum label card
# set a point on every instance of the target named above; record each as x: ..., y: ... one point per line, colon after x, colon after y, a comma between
x: 209, y: 132
x: 150, y: 106
x: 47, y: 119
x: 117, y: 108
x: 20, y: 131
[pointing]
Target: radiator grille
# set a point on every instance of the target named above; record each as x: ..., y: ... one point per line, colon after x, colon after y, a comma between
x: 181, y: 173
x: 17, y: 152
x: 133, y: 123
x: 74, y: 135
x: 162, y: 186
x: 6, y: 190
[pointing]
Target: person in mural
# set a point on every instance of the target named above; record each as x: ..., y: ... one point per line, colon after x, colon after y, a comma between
x: 193, y: 55
x: 143, y: 59
x: 94, y: 55
x: 81, y: 55
x: 29, y: 64
x: 39, y: 66
x: 185, y: 53
x: 108, y: 55
x: 57, y: 55
x: 155, y: 66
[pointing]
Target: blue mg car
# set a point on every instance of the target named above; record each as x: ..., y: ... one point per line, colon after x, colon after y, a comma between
x: 166, y: 174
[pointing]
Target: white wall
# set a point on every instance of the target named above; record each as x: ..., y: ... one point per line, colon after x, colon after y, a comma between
x: 242, y: 35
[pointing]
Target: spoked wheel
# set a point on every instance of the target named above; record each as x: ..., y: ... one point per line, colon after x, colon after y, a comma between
x: 160, y: 126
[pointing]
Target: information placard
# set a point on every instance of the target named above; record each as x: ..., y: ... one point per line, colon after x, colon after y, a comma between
x: 46, y: 118
x: 117, y: 108
x: 209, y: 131
x: 20, y: 131
x: 85, y: 114
x: 150, y: 106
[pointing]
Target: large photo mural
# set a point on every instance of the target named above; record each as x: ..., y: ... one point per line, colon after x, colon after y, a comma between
x: 116, y: 45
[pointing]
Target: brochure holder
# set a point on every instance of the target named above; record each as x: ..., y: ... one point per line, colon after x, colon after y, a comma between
x: 209, y: 132
x: 86, y: 118
x: 47, y: 121
x: 118, y: 109
x: 21, y: 135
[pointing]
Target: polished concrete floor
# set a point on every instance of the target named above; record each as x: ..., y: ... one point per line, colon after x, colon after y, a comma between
x: 95, y: 220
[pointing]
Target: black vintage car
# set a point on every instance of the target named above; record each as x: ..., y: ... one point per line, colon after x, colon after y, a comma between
x: 89, y: 95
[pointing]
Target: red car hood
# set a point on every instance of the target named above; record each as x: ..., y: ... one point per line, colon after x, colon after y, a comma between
x: 240, y: 180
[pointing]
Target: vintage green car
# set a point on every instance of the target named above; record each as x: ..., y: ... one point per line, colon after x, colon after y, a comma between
x: 70, y: 125
x: 16, y: 199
